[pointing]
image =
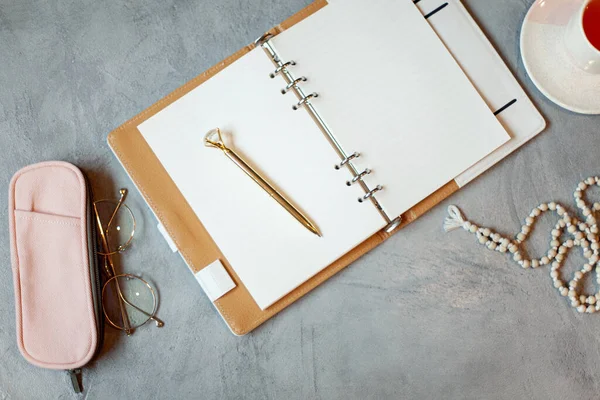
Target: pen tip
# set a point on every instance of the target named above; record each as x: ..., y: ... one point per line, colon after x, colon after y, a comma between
x: 316, y: 231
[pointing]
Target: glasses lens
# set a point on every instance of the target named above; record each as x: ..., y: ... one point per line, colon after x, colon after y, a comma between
x: 118, y: 227
x: 128, y: 300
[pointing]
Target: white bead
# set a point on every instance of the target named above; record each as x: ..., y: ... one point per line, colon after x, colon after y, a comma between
x: 594, y: 229
x: 513, y: 248
x: 572, y: 293
x: 555, y: 233
x: 591, y: 310
x: 587, y: 254
x: 564, y: 291
x: 525, y: 264
x: 487, y: 232
x: 492, y: 245
x: 577, y: 194
x: 502, y: 249
x: 552, y: 206
x: 582, y: 186
x: 473, y: 228
x: 582, y: 299
x: 535, y: 212
x: 559, y: 257
x: 520, y: 237
x: 586, y: 211
x: 552, y: 253
x: 525, y: 229
x: 483, y: 239
x: 505, y: 242
x: 554, y: 274
x: 543, y: 207
x: 558, y: 284
x: 517, y: 257
x: 578, y: 275
x: 582, y: 308
x: 571, y: 229
x: 591, y: 300
x: 573, y: 284
x: 579, y: 235
x: 590, y: 181
x: 545, y: 261
x: 535, y: 263
x: 562, y: 250
x: 591, y: 220
x: 587, y: 267
x: 529, y: 220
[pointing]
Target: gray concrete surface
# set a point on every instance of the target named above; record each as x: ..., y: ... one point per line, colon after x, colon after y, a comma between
x: 425, y: 316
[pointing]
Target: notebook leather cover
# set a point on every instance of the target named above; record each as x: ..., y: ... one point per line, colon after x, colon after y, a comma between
x: 194, y: 243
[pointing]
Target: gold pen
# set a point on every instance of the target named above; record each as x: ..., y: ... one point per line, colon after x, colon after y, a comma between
x: 214, y: 139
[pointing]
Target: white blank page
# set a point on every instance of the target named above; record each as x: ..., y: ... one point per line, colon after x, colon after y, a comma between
x: 270, y: 251
x: 389, y: 89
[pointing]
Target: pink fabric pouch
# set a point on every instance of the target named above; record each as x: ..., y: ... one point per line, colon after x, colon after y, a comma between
x: 53, y: 251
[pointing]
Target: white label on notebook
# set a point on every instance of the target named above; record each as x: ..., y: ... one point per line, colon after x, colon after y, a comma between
x: 215, y: 280
x: 167, y: 237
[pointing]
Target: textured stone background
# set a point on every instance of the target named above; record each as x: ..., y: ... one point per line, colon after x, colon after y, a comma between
x: 426, y: 315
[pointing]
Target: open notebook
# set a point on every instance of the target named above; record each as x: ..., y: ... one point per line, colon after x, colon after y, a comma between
x: 389, y: 90
x: 417, y: 103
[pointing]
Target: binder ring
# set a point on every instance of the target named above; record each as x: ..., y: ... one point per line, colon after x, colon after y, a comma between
x: 292, y: 84
x: 370, y: 194
x: 264, y: 39
x: 358, y: 177
x: 281, y: 68
x: 347, y: 160
x: 304, y: 100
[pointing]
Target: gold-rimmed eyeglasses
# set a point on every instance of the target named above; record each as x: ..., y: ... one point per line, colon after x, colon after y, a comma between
x: 128, y: 301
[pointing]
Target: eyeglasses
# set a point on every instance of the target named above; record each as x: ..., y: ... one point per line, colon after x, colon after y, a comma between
x: 128, y: 301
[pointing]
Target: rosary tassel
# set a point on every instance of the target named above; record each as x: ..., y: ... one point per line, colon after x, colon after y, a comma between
x: 455, y: 220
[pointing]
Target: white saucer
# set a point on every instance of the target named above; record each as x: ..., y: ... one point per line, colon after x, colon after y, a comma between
x: 549, y: 64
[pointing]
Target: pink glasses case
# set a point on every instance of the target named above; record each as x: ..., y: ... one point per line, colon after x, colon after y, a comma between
x: 53, y: 251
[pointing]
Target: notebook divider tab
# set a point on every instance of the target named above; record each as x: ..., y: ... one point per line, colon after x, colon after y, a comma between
x: 504, y: 95
x: 293, y: 84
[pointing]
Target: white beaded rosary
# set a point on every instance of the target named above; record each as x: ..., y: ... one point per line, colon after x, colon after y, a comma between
x: 581, y: 234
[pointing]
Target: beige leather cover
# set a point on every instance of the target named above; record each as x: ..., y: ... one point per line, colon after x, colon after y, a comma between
x: 196, y: 246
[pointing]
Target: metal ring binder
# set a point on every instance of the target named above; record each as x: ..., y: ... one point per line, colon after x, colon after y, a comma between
x: 347, y: 160
x: 281, y: 68
x: 261, y: 41
x: 304, y: 100
x: 292, y: 84
x: 358, y: 177
x: 370, y: 194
